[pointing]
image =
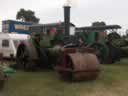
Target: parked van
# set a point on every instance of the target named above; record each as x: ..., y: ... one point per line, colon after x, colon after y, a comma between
x: 9, y: 43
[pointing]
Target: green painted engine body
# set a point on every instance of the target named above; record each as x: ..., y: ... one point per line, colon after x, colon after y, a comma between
x: 92, y: 40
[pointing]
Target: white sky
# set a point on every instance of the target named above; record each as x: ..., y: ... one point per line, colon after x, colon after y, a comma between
x: 83, y: 12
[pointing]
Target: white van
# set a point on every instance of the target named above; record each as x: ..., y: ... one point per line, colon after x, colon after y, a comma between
x: 9, y: 43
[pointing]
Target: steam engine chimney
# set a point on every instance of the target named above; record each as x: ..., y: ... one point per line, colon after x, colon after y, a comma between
x: 67, y: 20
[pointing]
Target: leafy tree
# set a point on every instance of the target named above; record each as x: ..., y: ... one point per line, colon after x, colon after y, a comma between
x: 98, y: 23
x: 114, y: 35
x: 27, y: 15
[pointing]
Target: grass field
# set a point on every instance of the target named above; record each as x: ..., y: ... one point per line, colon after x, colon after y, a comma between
x: 113, y: 81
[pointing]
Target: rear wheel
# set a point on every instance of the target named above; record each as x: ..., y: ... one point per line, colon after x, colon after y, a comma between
x: 22, y: 57
x: 30, y: 58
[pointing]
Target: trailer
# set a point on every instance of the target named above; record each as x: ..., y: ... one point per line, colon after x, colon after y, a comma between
x: 9, y: 43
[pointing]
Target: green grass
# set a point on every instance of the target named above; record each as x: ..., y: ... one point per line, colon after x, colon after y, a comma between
x: 113, y: 81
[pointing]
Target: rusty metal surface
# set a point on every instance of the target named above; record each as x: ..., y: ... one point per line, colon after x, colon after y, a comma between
x: 85, y: 65
x: 84, y: 61
x: 86, y: 50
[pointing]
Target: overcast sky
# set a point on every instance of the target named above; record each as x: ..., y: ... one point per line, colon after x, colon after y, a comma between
x: 83, y: 12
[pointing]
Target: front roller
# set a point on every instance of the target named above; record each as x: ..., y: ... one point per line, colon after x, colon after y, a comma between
x: 78, y: 65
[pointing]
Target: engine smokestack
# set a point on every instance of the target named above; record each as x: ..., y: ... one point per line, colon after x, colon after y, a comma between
x: 67, y: 19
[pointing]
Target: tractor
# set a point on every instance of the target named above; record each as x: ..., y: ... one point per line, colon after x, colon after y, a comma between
x: 96, y: 37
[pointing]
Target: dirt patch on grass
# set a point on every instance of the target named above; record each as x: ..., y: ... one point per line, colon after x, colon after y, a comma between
x: 116, y: 89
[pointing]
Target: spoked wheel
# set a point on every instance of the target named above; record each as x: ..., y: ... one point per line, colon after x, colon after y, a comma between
x: 101, y: 51
x: 31, y: 59
x: 22, y: 57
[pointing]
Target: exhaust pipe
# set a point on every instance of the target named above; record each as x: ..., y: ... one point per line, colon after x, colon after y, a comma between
x: 67, y: 20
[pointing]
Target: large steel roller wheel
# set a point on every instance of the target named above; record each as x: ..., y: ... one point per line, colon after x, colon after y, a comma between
x: 101, y: 51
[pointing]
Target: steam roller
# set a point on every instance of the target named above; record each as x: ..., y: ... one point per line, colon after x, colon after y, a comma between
x: 70, y: 63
